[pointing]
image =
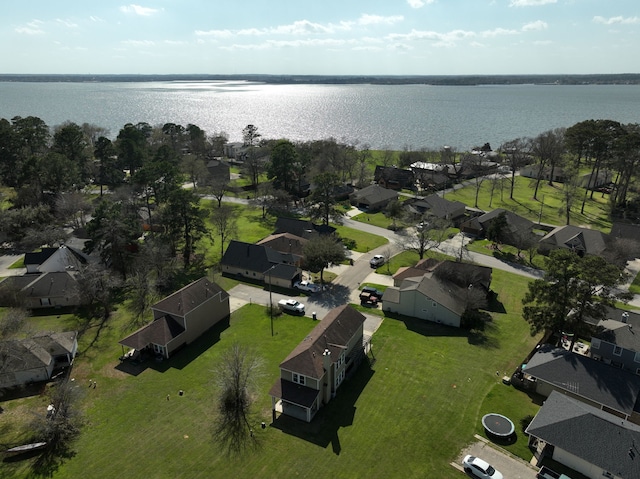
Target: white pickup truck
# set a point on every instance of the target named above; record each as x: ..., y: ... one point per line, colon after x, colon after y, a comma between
x: 291, y: 306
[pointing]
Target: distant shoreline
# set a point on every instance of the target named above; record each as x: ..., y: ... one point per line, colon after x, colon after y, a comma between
x: 435, y: 80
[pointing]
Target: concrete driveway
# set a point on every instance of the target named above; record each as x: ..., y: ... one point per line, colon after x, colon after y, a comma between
x: 320, y: 303
x: 6, y: 261
x: 510, y: 466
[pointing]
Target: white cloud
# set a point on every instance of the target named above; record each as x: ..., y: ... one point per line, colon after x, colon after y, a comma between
x: 530, y: 3
x: 615, y: 20
x: 139, y: 43
x: 139, y: 10
x: 447, y: 39
x: 498, y: 32
x: 377, y: 20
x: 66, y: 23
x: 300, y: 27
x: 419, y: 3
x: 214, y: 33
x: 304, y: 27
x: 34, y: 27
x: 534, y: 26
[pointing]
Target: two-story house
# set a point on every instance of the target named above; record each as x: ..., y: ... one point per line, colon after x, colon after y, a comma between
x: 617, y: 340
x: 312, y: 373
x: 181, y: 318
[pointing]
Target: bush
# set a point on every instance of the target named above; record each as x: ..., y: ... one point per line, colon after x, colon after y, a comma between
x: 525, y: 421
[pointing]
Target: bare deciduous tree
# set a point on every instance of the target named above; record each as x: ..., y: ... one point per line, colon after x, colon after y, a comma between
x: 224, y: 221
x: 428, y: 235
x: 237, y: 374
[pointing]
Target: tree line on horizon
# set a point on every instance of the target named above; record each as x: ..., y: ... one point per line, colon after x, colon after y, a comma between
x: 47, y: 169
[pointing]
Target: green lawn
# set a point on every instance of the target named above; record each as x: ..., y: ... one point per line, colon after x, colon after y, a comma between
x: 364, y: 242
x: 634, y: 287
x: 506, y: 253
x: 595, y: 214
x: 423, y: 396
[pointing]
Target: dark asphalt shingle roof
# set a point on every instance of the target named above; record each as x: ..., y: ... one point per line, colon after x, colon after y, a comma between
x: 190, y: 297
x: 259, y: 258
x: 574, y: 237
x: 332, y: 333
x: 585, y: 377
x: 595, y: 436
x: 160, y: 331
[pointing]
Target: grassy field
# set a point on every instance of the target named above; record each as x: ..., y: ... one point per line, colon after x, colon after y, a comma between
x: 364, y: 242
x: 420, y: 399
x: 595, y: 213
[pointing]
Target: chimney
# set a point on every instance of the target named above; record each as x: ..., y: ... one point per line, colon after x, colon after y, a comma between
x: 326, y: 359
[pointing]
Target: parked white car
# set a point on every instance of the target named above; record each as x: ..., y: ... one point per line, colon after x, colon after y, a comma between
x: 291, y: 306
x: 377, y: 260
x: 478, y: 468
x: 307, y: 286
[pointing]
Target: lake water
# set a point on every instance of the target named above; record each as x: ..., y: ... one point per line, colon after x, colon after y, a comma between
x: 382, y: 116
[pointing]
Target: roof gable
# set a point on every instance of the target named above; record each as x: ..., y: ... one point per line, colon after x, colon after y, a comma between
x: 574, y: 426
x: 301, y: 228
x: 190, y: 297
x: 585, y: 377
x: 374, y: 194
x: 64, y: 258
x: 574, y: 237
x: 161, y: 331
x: 332, y: 333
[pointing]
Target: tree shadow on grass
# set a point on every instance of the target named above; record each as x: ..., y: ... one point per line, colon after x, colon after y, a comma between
x: 181, y: 358
x: 425, y: 327
x: 339, y: 412
x: 480, y: 336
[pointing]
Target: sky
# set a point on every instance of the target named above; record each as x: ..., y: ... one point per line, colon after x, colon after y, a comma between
x: 320, y: 37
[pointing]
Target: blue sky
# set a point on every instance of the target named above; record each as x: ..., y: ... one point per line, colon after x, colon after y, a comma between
x: 329, y: 37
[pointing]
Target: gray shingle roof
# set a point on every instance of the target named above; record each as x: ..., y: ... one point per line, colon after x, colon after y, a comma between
x: 332, y: 333
x: 574, y: 237
x: 593, y: 435
x: 190, y: 297
x: 585, y: 377
x: 160, y: 331
x: 258, y: 258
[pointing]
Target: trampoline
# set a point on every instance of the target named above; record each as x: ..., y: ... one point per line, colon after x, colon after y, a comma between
x: 498, y: 425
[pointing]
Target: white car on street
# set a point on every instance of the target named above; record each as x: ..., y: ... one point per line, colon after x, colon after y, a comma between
x: 291, y: 306
x: 377, y: 260
x: 307, y: 286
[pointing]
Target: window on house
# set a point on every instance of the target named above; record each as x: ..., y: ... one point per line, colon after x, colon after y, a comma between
x: 637, y: 358
x: 595, y: 343
x: 45, y: 302
x: 298, y: 378
x: 434, y: 304
x: 617, y: 351
x: 339, y: 379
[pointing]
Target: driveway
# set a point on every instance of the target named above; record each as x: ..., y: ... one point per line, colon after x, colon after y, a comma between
x: 320, y: 303
x: 6, y: 261
x: 510, y: 466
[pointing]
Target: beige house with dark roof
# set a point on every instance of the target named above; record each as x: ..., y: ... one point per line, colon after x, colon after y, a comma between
x: 312, y: 373
x: 181, y: 318
x: 426, y: 297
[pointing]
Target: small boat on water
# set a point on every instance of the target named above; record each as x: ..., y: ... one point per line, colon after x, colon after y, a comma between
x: 25, y: 448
